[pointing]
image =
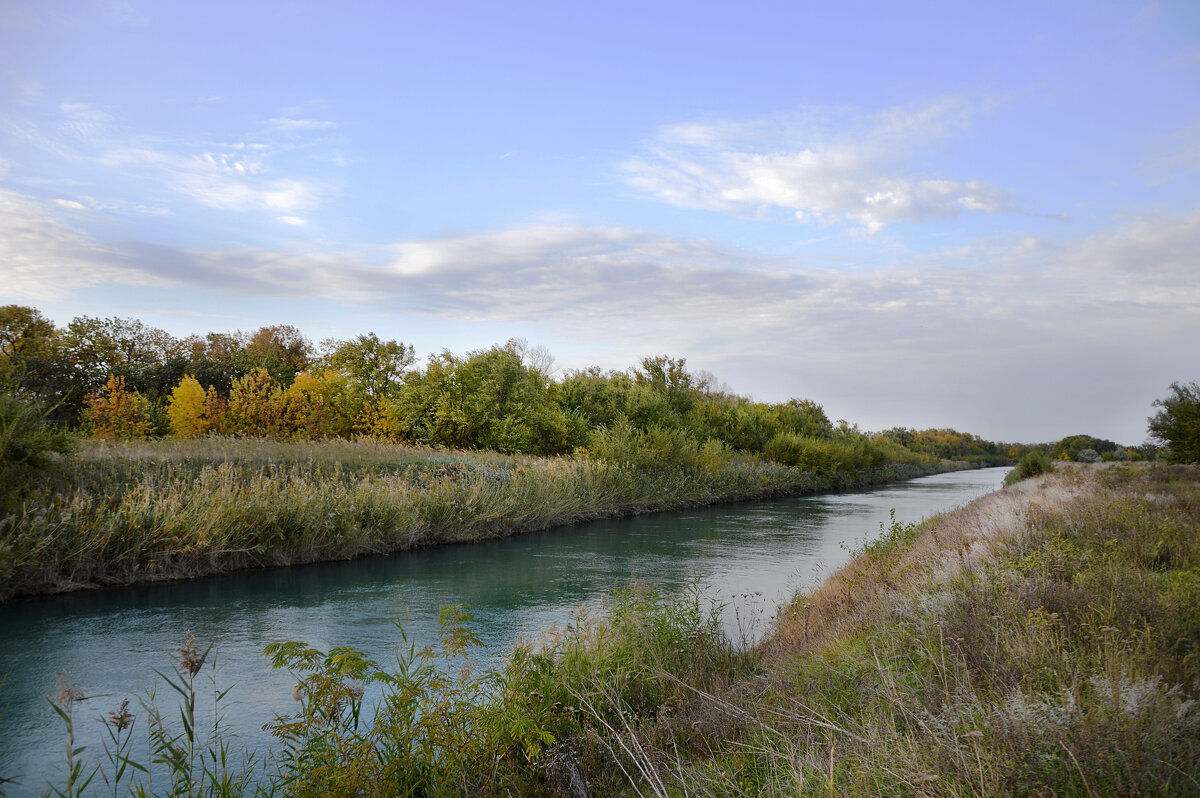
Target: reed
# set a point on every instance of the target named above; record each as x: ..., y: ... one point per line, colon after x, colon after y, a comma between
x: 171, y: 509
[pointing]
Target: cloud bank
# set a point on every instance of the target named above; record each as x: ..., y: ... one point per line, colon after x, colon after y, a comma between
x: 1022, y: 334
x: 816, y: 165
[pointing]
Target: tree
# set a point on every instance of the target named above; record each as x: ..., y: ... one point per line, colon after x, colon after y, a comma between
x: 376, y: 367
x: 28, y: 442
x: 188, y: 409
x: 669, y: 376
x: 117, y: 413
x: 254, y: 405
x: 313, y: 407
x: 32, y: 362
x: 1177, y: 424
x: 1070, y: 447
x: 281, y: 350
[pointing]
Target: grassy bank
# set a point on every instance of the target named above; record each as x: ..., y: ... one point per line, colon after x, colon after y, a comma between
x: 171, y: 509
x: 1044, y: 640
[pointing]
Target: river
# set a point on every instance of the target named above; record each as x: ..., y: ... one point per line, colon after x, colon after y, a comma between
x: 750, y: 556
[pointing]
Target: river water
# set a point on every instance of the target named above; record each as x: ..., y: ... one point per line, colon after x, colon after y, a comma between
x: 751, y: 557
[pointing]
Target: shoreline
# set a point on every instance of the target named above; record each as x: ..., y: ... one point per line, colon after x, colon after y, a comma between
x: 145, y: 513
x: 1039, y: 640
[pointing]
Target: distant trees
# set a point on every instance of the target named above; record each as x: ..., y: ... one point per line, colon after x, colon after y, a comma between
x: 1072, y: 447
x: 120, y: 378
x: 1177, y: 423
x: 376, y: 367
x: 951, y: 444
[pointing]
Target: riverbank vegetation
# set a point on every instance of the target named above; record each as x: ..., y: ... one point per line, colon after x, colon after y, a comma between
x: 149, y: 510
x: 228, y: 451
x: 1042, y: 640
x: 118, y: 379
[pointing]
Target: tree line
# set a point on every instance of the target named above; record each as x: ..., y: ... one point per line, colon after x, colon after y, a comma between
x: 120, y: 378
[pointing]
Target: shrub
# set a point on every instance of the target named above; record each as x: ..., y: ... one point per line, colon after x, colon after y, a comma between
x: 28, y: 442
x: 1032, y: 464
x: 254, y: 405
x: 654, y: 448
x: 817, y: 455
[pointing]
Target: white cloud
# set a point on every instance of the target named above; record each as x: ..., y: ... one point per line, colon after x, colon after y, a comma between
x: 1022, y: 337
x: 239, y: 176
x: 71, y: 205
x: 1148, y: 252
x: 84, y: 121
x: 291, y: 125
x: 41, y: 258
x: 816, y: 165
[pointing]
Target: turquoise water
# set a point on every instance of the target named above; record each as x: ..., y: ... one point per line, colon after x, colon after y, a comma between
x: 750, y: 557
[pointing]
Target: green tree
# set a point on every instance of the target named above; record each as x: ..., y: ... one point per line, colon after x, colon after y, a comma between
x: 377, y: 367
x: 281, y: 350
x: 1070, y: 447
x: 30, y: 352
x: 1177, y: 423
x: 28, y: 442
x: 150, y: 361
x: 669, y: 377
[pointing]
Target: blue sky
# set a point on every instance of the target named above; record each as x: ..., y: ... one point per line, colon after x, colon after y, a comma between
x: 976, y: 215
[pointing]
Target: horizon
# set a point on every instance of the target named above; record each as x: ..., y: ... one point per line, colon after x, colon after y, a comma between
x: 979, y: 218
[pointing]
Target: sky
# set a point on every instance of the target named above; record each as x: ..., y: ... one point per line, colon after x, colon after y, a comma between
x: 983, y: 216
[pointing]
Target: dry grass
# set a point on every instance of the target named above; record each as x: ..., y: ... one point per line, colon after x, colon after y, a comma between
x: 1044, y: 640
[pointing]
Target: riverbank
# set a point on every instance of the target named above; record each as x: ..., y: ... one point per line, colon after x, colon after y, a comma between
x: 176, y: 509
x: 1041, y: 640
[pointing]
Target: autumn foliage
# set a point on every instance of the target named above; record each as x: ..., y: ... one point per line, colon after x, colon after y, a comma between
x: 117, y: 413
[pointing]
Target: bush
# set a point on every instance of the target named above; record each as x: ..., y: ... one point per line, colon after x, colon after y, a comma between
x: 28, y: 442
x: 1032, y: 464
x: 654, y: 448
x: 814, y: 454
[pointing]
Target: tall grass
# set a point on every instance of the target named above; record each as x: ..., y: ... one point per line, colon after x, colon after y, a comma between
x: 1042, y: 641
x: 130, y: 512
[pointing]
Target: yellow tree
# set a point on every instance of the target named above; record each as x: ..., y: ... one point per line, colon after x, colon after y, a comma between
x: 254, y: 405
x: 188, y: 409
x: 312, y: 407
x: 118, y: 413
